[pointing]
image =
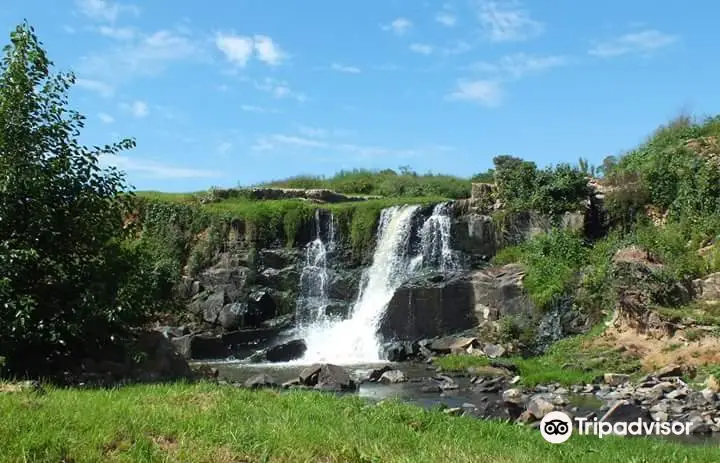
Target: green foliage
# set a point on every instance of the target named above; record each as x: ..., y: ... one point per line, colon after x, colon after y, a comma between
x: 517, y: 328
x: 551, y: 191
x: 559, y: 189
x: 596, y: 295
x: 65, y: 277
x: 672, y: 246
x: 484, y: 177
x: 515, y: 181
x: 573, y: 360
x: 553, y: 261
x: 626, y: 204
x: 678, y: 167
x: 387, y: 183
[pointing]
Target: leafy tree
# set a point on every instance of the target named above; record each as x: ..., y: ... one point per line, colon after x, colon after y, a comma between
x: 553, y: 190
x: 559, y: 189
x: 515, y: 181
x: 66, y: 280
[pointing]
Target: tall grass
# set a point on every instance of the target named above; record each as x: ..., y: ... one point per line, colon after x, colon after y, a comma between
x: 203, y: 423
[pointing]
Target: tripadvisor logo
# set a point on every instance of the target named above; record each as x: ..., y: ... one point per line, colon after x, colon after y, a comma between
x: 557, y: 427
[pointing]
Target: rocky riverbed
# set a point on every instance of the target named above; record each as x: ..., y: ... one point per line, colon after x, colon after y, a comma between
x: 662, y: 396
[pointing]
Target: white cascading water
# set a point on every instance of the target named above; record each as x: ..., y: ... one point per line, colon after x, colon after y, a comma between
x: 435, y: 240
x: 356, y: 340
x: 313, y: 298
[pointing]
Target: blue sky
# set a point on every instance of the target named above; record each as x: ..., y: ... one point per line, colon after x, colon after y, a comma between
x: 225, y: 92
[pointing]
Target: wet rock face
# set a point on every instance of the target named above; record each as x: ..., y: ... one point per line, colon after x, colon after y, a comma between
x: 240, y: 343
x: 426, y: 308
x: 284, y: 352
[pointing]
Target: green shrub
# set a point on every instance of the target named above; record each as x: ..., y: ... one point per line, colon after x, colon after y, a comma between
x: 552, y: 191
x: 67, y: 281
x: 671, y: 244
x: 552, y: 261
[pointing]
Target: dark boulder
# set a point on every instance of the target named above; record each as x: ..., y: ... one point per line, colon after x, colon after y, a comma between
x: 261, y: 381
x: 227, y: 275
x: 209, y: 304
x: 400, y: 351
x: 261, y: 307
x: 284, y: 352
x: 327, y: 377
x: 393, y: 377
x: 624, y: 411
x: 158, y: 359
x: 377, y: 373
x: 277, y: 258
x: 281, y: 279
x: 232, y: 316
x: 239, y: 343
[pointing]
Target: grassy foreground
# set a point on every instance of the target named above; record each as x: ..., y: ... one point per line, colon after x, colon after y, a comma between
x: 203, y: 422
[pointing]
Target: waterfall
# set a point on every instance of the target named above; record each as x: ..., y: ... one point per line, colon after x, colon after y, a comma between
x: 313, y: 296
x: 356, y: 339
x: 435, y: 240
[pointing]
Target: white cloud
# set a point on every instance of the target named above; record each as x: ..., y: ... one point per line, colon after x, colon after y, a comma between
x: 224, y: 147
x: 485, y: 92
x: 347, y: 69
x: 117, y: 33
x: 157, y: 170
x: 145, y: 55
x: 237, y: 49
x: 506, y: 20
x: 276, y: 141
x: 399, y: 26
x: 137, y: 108
x: 104, y: 10
x: 642, y: 42
x: 268, y: 51
x: 69, y: 29
x: 106, y: 118
x: 103, y: 89
x: 446, y: 19
x: 313, y: 132
x: 280, y: 89
x: 519, y: 64
x: 258, y: 109
x: 421, y: 48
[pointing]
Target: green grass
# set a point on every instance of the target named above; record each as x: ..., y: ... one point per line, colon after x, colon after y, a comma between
x: 204, y: 423
x: 703, y: 313
x: 572, y: 360
x: 173, y: 197
x: 388, y: 183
